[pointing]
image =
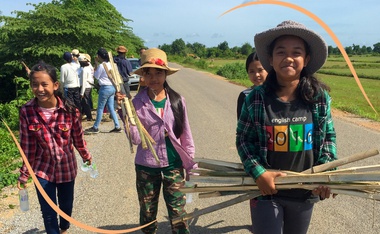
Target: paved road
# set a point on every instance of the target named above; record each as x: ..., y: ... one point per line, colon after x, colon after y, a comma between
x: 110, y: 201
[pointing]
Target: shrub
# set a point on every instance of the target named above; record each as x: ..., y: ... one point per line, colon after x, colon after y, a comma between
x: 232, y: 71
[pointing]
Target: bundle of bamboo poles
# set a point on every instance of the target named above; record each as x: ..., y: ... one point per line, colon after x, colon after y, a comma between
x: 229, y: 178
x: 128, y: 111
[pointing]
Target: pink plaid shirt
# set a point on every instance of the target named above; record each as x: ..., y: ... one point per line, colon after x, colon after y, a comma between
x: 49, y: 144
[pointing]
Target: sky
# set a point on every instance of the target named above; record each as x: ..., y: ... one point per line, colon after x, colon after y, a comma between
x: 162, y: 22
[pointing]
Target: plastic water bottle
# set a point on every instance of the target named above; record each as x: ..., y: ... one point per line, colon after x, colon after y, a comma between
x: 93, y: 170
x: 85, y: 167
x: 24, y: 199
x: 189, y: 196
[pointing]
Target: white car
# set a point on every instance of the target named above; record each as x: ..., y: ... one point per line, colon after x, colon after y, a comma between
x: 134, y: 79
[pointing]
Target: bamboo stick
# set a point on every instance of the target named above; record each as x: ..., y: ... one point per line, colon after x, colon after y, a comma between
x: 219, y: 194
x: 372, y: 168
x: 373, y: 189
x: 219, y: 206
x: 361, y: 194
x: 218, y: 173
x: 218, y: 164
x: 292, y: 179
x: 342, y: 161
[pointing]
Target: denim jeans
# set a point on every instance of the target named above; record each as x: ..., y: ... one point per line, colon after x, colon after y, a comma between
x: 106, y: 97
x: 65, y: 194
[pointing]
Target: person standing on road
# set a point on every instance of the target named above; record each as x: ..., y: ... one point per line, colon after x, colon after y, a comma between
x: 86, y: 79
x: 141, y: 81
x: 70, y: 80
x: 106, y: 92
x: 142, y: 50
x: 256, y: 74
x: 286, y: 124
x: 125, y: 68
x: 162, y: 112
x: 49, y: 128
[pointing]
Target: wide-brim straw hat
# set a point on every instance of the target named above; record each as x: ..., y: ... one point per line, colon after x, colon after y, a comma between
x: 75, y: 52
x: 317, y: 46
x: 155, y: 58
x: 121, y: 49
x: 84, y: 58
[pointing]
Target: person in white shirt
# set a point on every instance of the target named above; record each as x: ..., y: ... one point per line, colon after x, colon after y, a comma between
x: 86, y: 79
x: 70, y: 80
x: 106, y: 92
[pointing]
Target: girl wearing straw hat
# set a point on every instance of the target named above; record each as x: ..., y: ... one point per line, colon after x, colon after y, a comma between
x: 162, y: 112
x: 286, y: 124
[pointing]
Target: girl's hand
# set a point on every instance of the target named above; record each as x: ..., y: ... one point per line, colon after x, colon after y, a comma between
x: 265, y: 182
x: 88, y: 161
x: 323, y: 192
x: 20, y: 185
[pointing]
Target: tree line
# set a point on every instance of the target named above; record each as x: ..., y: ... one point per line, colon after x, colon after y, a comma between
x: 198, y: 50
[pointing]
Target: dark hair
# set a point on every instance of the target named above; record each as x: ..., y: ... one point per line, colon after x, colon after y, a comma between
x: 309, y: 87
x: 84, y: 63
x: 103, y: 54
x: 52, y: 72
x: 177, y: 108
x: 252, y: 57
x: 68, y: 57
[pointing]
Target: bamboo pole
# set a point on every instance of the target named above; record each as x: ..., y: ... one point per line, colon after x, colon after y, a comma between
x: 216, y: 207
x: 129, y: 110
x: 342, y: 161
x: 218, y: 164
x: 355, y: 169
x: 343, y: 182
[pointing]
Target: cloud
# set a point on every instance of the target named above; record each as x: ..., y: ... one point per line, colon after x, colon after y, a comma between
x: 192, y: 35
x: 216, y: 35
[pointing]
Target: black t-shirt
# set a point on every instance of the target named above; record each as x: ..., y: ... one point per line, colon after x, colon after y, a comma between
x: 289, y: 128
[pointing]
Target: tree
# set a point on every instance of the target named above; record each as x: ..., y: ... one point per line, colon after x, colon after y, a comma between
x: 223, y: 46
x: 179, y: 47
x: 246, y: 49
x: 167, y: 48
x: 49, y: 30
x: 349, y: 50
x: 199, y: 49
x: 376, y: 47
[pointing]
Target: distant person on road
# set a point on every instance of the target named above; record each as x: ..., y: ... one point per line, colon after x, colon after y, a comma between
x: 86, y: 79
x: 256, y: 74
x: 162, y: 112
x: 125, y: 68
x: 142, y: 50
x: 106, y: 92
x: 49, y: 128
x: 142, y: 82
x: 286, y: 124
x: 70, y: 80
x: 75, y: 53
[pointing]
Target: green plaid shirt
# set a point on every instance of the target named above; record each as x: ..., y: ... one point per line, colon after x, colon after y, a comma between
x: 251, y: 138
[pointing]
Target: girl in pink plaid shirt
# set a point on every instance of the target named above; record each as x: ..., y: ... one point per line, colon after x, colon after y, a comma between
x: 49, y: 128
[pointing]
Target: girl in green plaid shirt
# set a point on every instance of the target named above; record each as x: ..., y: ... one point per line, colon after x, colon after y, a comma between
x: 286, y: 124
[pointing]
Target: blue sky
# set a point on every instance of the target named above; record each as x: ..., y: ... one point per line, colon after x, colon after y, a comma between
x: 161, y: 22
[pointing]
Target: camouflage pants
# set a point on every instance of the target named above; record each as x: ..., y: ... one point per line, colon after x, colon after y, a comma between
x: 148, y: 186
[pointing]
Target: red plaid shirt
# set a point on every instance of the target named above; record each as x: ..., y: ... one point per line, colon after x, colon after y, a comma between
x: 49, y: 145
